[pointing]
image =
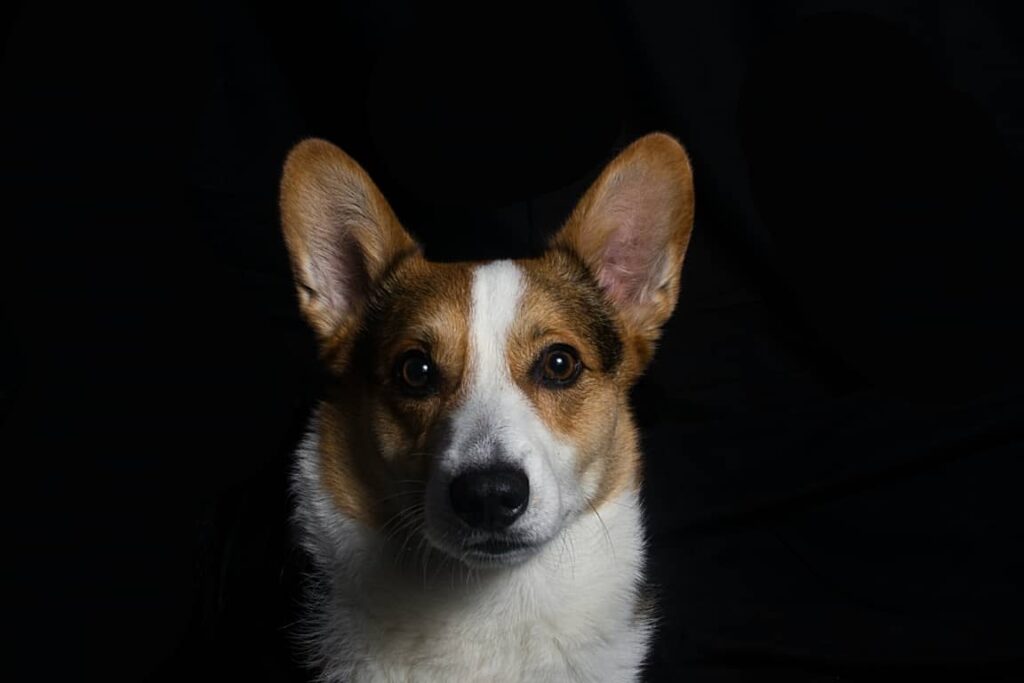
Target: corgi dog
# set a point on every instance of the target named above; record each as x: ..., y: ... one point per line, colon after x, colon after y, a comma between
x: 469, y: 488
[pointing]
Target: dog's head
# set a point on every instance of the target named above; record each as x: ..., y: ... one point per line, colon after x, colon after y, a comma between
x: 484, y: 405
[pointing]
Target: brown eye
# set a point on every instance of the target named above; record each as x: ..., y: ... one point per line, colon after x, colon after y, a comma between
x: 559, y: 366
x: 416, y: 373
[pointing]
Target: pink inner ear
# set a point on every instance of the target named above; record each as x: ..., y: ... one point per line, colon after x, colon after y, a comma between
x: 629, y: 261
x: 336, y: 273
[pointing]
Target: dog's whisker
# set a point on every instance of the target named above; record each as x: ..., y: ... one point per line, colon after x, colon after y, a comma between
x: 394, y: 523
x: 393, y: 496
x: 604, y: 528
x: 409, y: 528
x: 403, y: 514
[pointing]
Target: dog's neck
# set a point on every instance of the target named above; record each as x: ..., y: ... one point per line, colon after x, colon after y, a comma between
x: 570, y: 609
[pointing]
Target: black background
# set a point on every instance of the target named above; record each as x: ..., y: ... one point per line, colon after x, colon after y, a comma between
x: 833, y: 425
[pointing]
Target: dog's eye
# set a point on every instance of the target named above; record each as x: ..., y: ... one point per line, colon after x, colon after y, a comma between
x: 559, y: 366
x: 416, y: 373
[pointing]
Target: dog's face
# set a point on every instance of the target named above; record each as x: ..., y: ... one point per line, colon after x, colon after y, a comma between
x: 483, y: 405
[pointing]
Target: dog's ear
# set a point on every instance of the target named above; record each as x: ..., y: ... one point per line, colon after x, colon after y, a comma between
x: 340, y: 232
x: 632, y: 228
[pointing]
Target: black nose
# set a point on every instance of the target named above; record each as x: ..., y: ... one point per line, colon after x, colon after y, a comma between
x: 490, y: 499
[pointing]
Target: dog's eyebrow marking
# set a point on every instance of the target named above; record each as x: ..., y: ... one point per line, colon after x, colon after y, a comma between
x: 538, y: 332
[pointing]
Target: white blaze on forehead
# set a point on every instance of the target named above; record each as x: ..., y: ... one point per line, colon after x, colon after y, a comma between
x: 497, y: 291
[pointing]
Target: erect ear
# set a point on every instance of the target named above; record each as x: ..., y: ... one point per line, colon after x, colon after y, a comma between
x: 632, y: 228
x: 341, y: 235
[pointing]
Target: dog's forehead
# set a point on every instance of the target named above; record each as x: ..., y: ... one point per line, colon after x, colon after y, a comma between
x: 442, y: 300
x: 421, y: 296
x: 439, y: 305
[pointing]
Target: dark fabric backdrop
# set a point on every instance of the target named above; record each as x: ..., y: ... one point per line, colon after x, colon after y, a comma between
x: 834, y: 424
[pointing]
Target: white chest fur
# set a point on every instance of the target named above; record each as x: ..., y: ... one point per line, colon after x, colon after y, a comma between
x: 567, y: 614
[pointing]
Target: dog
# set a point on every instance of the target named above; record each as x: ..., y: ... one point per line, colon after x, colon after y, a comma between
x: 468, y: 490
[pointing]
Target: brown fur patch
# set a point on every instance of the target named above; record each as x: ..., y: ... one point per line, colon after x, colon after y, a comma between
x: 376, y: 441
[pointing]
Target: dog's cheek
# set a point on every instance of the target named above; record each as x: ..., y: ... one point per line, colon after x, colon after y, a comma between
x: 595, y: 426
x: 586, y: 416
x: 401, y: 430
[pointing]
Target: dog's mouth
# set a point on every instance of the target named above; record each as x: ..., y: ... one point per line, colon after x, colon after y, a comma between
x: 497, y: 546
x: 497, y: 552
